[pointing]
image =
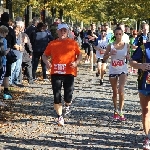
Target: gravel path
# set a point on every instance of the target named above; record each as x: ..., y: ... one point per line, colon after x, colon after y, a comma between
x: 89, y: 126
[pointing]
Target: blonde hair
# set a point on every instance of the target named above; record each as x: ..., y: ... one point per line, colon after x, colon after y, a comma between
x: 3, y: 29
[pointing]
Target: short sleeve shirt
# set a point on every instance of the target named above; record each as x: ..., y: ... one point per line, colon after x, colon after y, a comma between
x: 63, y: 53
x: 138, y: 56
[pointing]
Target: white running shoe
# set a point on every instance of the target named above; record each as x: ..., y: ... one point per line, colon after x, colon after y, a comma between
x: 67, y: 110
x: 2, y: 104
x: 87, y: 61
x: 60, y: 121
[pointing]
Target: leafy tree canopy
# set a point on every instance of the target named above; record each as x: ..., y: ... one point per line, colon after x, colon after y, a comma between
x: 88, y: 10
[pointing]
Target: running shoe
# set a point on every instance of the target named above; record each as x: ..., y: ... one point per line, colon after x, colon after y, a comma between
x: 122, y: 117
x: 60, y: 121
x: 97, y: 74
x: 116, y: 115
x: 101, y: 82
x: 67, y: 110
x: 2, y: 104
x: 7, y: 96
x: 46, y: 80
x: 86, y: 62
x: 146, y: 145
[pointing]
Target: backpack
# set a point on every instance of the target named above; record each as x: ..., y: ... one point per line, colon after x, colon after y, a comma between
x: 11, y: 57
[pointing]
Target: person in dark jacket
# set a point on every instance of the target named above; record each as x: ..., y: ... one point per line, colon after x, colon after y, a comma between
x: 11, y: 41
x: 40, y: 42
x: 32, y: 29
x: 27, y: 61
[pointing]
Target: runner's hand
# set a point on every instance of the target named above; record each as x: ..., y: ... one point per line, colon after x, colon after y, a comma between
x: 145, y: 66
x: 128, y: 57
x: 113, y: 52
x: 48, y: 65
x: 74, y: 64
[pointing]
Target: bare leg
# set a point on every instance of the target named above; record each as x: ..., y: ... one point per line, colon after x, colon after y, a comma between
x: 58, y: 109
x: 122, y: 80
x: 6, y: 82
x: 103, y: 68
x: 113, y: 82
x: 145, y: 105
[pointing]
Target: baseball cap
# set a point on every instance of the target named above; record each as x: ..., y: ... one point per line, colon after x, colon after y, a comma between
x: 60, y: 26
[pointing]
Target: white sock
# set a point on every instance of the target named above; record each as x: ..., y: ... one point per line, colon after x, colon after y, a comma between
x: 120, y: 111
x: 116, y: 110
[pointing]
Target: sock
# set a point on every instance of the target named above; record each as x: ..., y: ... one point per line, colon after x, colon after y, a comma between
x: 5, y: 90
x: 116, y: 110
x: 120, y: 112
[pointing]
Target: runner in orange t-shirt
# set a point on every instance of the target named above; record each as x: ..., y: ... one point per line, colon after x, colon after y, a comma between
x: 65, y: 55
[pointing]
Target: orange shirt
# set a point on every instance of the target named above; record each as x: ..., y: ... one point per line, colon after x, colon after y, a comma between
x: 63, y: 53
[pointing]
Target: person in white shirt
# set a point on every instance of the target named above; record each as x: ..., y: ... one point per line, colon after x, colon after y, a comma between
x: 125, y: 37
x: 119, y: 53
x: 100, y: 48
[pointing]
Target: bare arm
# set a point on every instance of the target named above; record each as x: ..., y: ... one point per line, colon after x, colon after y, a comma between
x: 97, y: 48
x: 128, y: 52
x: 46, y: 61
x: 135, y: 64
x: 142, y: 66
x: 107, y: 52
x: 91, y: 37
x: 79, y: 57
x: 134, y: 47
x: 75, y: 63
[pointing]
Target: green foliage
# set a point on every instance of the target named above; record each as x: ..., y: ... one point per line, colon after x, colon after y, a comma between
x: 88, y: 10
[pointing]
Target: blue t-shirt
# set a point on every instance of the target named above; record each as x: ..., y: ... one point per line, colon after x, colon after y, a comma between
x: 144, y: 77
x: 109, y: 36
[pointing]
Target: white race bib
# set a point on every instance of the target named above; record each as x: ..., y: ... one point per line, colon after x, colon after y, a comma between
x: 60, y: 68
x: 116, y: 63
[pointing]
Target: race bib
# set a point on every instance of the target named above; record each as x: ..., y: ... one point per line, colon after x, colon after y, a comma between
x: 102, y: 52
x: 117, y: 63
x: 144, y: 41
x: 60, y: 68
x: 148, y: 78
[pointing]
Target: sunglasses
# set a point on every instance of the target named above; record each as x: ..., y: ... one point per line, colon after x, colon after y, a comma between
x: 118, y: 34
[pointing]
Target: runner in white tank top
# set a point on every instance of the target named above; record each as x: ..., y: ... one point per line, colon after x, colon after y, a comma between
x: 119, y: 53
x: 100, y: 48
x: 118, y: 63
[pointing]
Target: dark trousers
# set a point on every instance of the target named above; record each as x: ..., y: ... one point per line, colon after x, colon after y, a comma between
x: 35, y: 61
x: 27, y: 70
